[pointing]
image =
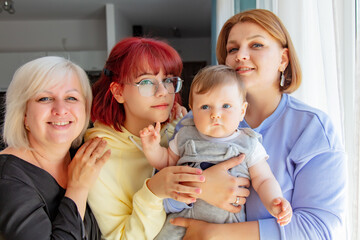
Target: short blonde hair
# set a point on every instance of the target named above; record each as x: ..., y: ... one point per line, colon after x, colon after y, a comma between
x: 30, y: 79
x: 211, y: 77
x: 273, y: 25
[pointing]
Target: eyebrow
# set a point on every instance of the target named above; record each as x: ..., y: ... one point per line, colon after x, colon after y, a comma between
x: 70, y: 90
x: 249, y: 38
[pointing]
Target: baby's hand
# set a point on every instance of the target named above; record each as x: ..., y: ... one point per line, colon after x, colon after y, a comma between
x: 150, y: 135
x: 284, y: 210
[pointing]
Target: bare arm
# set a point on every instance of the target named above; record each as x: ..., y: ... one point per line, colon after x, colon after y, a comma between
x: 269, y: 191
x: 200, y: 230
x: 159, y: 157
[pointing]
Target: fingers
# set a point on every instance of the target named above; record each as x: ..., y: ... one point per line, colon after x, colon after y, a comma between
x: 285, y: 215
x: 232, y: 162
x: 180, y: 111
x: 183, y: 111
x: 102, y: 160
x: 184, y: 169
x: 157, y: 127
x: 151, y: 130
x: 182, y: 197
x: 243, y: 183
x: 95, y: 150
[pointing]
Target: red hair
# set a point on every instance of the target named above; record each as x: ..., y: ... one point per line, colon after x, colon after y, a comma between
x: 127, y: 59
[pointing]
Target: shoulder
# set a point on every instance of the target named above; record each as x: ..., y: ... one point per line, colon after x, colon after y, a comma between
x: 99, y: 130
x: 310, y: 123
x: 11, y: 167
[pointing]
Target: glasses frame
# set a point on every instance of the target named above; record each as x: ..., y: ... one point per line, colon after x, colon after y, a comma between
x: 156, y: 84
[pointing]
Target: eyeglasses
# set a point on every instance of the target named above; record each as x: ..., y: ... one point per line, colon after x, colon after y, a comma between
x: 148, y: 87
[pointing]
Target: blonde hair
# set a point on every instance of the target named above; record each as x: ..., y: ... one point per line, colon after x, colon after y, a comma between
x: 211, y: 77
x: 273, y: 25
x: 30, y: 79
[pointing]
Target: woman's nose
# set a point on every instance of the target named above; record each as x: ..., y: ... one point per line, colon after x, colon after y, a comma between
x: 242, y: 55
x: 161, y: 90
x: 60, y: 108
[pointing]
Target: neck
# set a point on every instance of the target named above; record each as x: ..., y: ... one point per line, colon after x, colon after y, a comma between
x: 53, y: 160
x: 260, y: 107
x: 134, y: 127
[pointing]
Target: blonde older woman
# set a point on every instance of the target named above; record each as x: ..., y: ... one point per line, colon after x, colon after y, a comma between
x: 43, y: 191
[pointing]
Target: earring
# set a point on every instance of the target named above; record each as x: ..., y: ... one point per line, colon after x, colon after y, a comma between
x: 282, y: 79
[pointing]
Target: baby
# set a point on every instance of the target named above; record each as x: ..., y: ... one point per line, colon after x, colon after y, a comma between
x: 217, y: 100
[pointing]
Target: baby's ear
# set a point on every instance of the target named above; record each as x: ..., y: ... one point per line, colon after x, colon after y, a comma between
x: 116, y: 90
x: 243, y: 109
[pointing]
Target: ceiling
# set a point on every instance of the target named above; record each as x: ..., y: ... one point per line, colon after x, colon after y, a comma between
x: 179, y: 18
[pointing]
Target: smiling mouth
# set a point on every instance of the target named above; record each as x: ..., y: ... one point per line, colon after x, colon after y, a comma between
x: 60, y: 123
x: 244, y: 69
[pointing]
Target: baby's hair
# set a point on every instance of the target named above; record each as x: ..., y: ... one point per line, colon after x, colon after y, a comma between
x: 211, y: 77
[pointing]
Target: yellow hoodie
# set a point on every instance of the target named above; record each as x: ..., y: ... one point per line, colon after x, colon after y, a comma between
x: 123, y: 205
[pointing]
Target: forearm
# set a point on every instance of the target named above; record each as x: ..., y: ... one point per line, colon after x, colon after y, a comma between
x: 79, y: 196
x: 268, y: 190
x: 157, y: 156
x: 247, y: 230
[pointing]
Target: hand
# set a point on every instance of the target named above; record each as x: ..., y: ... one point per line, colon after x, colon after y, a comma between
x: 178, y: 112
x: 84, y: 168
x: 150, y: 136
x: 195, y: 229
x: 168, y: 183
x: 221, y: 189
x: 282, y: 211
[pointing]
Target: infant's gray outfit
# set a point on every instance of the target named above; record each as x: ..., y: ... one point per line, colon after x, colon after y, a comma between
x: 200, y: 151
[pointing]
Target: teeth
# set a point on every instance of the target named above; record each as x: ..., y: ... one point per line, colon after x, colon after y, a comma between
x: 244, y: 69
x: 60, y: 123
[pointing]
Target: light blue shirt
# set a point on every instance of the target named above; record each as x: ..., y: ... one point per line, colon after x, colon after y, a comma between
x: 308, y: 160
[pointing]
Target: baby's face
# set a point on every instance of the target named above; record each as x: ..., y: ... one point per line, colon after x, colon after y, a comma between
x: 218, y: 112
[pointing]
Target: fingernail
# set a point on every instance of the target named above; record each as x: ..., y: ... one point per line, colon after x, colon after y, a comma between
x: 202, y: 178
x: 198, y: 190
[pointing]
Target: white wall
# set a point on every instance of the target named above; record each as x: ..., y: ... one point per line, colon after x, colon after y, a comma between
x: 52, y: 35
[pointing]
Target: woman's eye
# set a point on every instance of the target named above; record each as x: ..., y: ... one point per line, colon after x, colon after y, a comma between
x: 226, y: 105
x: 72, y: 98
x: 231, y: 50
x: 167, y: 80
x: 257, y: 45
x: 146, y: 82
x: 44, y: 99
x: 204, y: 107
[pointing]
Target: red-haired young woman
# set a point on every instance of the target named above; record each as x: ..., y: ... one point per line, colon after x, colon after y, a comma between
x: 138, y: 87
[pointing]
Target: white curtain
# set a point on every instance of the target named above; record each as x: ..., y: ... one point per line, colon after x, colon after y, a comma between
x: 323, y: 33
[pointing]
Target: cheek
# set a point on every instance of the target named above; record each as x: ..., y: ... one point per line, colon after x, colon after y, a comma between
x: 229, y: 62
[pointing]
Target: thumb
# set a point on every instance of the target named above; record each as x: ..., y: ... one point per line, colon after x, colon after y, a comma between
x: 181, y: 222
x: 157, y: 127
x: 232, y: 162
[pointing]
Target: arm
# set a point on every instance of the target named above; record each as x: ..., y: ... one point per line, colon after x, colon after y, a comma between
x: 200, y: 230
x: 29, y: 219
x: 265, y: 184
x: 84, y: 170
x: 159, y: 157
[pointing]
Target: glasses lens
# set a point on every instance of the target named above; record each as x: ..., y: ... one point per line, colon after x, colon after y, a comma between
x: 173, y: 84
x: 147, y: 87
